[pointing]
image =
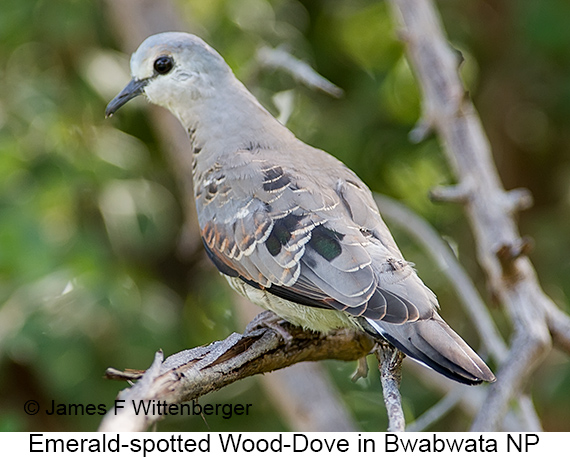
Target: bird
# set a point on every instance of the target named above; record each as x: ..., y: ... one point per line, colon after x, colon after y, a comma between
x: 288, y: 225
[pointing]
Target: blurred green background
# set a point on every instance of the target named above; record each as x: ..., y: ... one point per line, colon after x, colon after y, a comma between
x: 90, y: 212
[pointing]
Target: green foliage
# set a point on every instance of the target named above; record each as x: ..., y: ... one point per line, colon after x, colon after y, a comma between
x: 90, y: 212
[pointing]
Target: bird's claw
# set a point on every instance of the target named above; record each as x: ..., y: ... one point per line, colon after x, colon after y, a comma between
x: 268, y: 319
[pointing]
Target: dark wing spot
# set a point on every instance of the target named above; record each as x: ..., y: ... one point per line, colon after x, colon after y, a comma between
x: 276, y: 184
x: 273, y: 245
x: 281, y: 233
x: 273, y: 173
x: 212, y: 188
x: 274, y: 179
x: 326, y: 242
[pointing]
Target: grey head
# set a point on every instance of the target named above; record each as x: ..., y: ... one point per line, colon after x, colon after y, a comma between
x: 170, y: 68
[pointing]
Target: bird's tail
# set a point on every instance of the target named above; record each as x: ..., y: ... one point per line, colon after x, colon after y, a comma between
x: 433, y: 343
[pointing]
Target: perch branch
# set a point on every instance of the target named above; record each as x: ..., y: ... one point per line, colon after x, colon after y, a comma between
x: 304, y: 394
x: 190, y: 374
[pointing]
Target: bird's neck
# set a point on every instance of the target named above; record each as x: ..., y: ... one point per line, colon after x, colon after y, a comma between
x: 230, y: 118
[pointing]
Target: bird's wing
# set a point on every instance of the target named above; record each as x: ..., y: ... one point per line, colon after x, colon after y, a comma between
x: 313, y: 238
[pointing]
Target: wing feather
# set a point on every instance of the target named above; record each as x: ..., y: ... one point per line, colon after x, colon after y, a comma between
x: 278, y: 231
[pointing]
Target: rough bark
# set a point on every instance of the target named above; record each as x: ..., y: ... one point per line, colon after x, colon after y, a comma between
x: 192, y: 373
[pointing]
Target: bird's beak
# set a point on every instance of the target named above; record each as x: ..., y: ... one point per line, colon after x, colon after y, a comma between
x: 132, y: 90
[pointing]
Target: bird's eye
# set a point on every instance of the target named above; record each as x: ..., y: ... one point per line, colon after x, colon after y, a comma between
x: 163, y: 64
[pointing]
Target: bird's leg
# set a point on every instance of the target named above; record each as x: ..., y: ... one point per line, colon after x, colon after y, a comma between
x: 268, y: 319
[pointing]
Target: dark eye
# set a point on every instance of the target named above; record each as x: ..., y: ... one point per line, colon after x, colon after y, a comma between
x: 163, y: 64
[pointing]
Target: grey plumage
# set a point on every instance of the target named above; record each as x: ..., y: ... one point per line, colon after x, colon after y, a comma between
x: 290, y: 226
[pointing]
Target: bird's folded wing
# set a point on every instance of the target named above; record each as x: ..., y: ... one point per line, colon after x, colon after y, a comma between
x: 304, y: 240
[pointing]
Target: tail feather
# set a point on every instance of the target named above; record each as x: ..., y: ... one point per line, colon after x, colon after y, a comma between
x: 433, y: 343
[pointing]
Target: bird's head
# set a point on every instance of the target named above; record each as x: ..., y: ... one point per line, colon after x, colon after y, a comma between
x: 170, y: 67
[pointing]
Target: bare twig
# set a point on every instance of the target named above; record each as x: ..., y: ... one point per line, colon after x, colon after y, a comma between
x: 280, y: 59
x: 559, y: 326
x: 471, y: 397
x: 390, y: 366
x: 436, y: 412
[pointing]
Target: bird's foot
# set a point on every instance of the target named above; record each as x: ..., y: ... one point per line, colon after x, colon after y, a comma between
x: 268, y: 319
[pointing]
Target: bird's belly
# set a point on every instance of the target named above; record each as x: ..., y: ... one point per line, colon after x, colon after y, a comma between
x: 316, y: 319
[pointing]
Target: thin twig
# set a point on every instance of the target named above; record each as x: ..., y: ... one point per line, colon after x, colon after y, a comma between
x: 390, y: 366
x: 559, y: 326
x: 280, y: 59
x: 436, y: 412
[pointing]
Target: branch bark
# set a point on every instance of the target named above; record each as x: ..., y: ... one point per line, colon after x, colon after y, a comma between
x: 390, y: 366
x: 190, y: 374
x: 490, y: 209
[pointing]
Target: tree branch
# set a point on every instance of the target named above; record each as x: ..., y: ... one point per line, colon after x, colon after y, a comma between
x: 390, y: 366
x: 512, y: 278
x: 190, y: 374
